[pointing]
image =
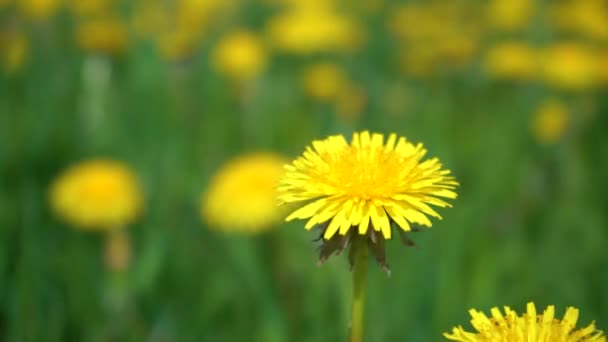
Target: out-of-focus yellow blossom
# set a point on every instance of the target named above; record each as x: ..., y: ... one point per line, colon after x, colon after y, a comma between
x: 84, y: 8
x: 602, y: 67
x: 195, y: 15
x: 242, y: 194
x: 312, y: 29
x: 14, y: 50
x: 586, y: 17
x: 106, y: 34
x: 150, y: 19
x: 98, y: 194
x: 512, y: 60
x: 39, y: 9
x: 550, y: 121
x: 418, y: 22
x: 351, y: 101
x: 569, y: 65
x: 323, y: 81
x: 177, y: 45
x: 420, y: 60
x: 458, y: 49
x: 530, y: 326
x: 509, y: 15
x: 433, y: 35
x: 240, y: 56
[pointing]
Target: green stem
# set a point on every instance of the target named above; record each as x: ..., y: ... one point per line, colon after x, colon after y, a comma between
x: 359, y: 283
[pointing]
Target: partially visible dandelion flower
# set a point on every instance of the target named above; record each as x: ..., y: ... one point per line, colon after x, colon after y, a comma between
x: 242, y: 195
x: 530, y: 326
x: 510, y: 15
x: 323, y: 81
x: 585, y: 17
x: 39, y: 9
x: 240, y: 55
x: 97, y: 194
x: 177, y: 45
x: 313, y: 29
x: 550, y: 121
x: 106, y: 34
x: 84, y: 8
x: 570, y: 65
x: 14, y: 51
x: 512, y: 61
x: 364, y: 188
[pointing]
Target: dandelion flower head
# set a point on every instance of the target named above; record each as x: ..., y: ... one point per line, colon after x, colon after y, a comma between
x: 242, y: 194
x: 365, y: 186
x: 240, y: 55
x: 528, y: 327
x: 98, y: 194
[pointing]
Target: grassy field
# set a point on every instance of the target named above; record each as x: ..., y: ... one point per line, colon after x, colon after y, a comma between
x: 524, y: 136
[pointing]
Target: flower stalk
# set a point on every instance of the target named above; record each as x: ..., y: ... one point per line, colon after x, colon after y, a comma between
x: 359, y: 254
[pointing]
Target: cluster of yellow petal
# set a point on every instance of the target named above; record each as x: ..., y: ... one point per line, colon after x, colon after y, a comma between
x: 365, y: 183
x: 242, y: 195
x: 529, y: 327
x: 97, y: 194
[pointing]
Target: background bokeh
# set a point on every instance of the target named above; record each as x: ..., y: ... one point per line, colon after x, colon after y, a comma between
x: 509, y: 94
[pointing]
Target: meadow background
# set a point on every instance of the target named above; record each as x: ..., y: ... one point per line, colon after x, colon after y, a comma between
x: 509, y: 94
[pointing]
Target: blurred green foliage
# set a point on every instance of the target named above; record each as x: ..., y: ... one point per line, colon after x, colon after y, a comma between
x: 530, y: 222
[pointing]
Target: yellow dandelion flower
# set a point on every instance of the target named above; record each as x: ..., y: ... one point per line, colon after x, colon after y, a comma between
x: 39, y: 9
x: 83, y: 8
x: 550, y: 121
x: 14, y: 51
x: 528, y: 327
x: 570, y: 65
x: 323, y: 81
x: 312, y: 29
x: 97, y: 195
x: 106, y: 34
x: 510, y: 15
x: 365, y: 187
x: 512, y: 61
x: 240, y: 55
x: 242, y: 194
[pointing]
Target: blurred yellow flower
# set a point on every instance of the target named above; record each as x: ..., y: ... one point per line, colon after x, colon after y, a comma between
x: 177, y: 45
x: 323, y: 81
x: 312, y: 29
x: 509, y: 15
x: 97, y: 194
x: 570, y: 65
x: 550, y: 121
x: 586, y: 17
x: 365, y: 186
x: 512, y: 60
x: 150, y: 19
x: 14, y: 50
x: 525, y: 328
x: 106, y: 34
x: 242, y: 194
x: 240, y: 56
x: 39, y: 9
x: 83, y: 8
